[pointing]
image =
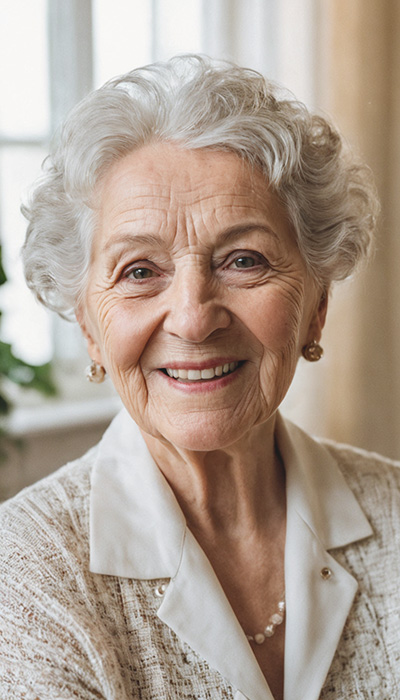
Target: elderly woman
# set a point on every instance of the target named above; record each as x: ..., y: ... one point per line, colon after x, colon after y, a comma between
x: 193, y: 218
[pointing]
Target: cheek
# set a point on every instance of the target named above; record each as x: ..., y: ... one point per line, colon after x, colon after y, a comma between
x: 276, y: 322
x: 124, y: 334
x: 277, y: 326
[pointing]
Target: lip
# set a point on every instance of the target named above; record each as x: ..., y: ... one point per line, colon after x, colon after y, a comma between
x: 204, y: 386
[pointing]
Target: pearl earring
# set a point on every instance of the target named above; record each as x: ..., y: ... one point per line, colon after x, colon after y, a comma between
x: 312, y: 352
x: 95, y: 373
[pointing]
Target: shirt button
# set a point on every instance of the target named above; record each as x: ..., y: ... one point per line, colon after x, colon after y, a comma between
x: 326, y: 573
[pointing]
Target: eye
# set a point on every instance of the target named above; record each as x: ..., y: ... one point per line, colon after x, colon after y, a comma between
x: 139, y: 273
x: 244, y: 261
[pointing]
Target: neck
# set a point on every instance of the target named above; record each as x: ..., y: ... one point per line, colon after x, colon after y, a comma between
x: 226, y: 492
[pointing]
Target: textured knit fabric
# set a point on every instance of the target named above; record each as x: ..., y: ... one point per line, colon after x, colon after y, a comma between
x: 68, y: 633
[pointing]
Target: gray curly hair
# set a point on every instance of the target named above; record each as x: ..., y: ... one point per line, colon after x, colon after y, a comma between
x: 196, y: 102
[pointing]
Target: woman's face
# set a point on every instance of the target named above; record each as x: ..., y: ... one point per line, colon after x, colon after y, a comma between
x: 198, y: 301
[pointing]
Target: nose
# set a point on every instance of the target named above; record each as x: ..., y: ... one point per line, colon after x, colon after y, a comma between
x: 195, y: 308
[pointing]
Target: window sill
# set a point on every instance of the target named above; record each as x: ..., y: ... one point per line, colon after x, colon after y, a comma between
x: 58, y: 415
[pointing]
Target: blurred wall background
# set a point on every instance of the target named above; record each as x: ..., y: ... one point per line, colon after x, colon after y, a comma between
x: 358, y: 83
x: 341, y: 57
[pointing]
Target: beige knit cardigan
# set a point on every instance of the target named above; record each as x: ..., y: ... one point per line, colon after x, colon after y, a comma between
x: 66, y: 633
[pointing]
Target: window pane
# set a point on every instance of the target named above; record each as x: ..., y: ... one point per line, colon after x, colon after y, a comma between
x: 24, y: 107
x: 122, y: 37
x: 177, y: 28
x: 25, y: 323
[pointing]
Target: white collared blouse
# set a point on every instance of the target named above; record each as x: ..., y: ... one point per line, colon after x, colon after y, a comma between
x: 105, y: 593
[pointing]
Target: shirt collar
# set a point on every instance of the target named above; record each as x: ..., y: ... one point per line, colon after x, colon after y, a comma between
x: 137, y: 528
x: 322, y: 514
x: 317, y: 489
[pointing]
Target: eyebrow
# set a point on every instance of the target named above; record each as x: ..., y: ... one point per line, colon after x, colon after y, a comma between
x: 239, y: 229
x: 128, y: 239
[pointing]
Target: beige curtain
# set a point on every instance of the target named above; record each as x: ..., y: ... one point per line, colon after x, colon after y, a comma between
x: 357, y: 393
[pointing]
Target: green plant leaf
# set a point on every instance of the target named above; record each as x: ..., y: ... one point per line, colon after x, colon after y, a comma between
x: 38, y: 377
x: 5, y: 405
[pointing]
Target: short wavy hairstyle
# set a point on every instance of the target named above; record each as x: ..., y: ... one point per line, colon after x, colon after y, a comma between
x: 195, y: 102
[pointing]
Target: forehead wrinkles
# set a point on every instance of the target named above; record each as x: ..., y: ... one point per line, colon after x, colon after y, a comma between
x: 154, y: 195
x: 191, y: 196
x: 216, y: 206
x: 187, y: 182
x: 168, y: 167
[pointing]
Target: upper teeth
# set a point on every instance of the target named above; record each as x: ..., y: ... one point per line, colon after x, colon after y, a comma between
x: 196, y: 374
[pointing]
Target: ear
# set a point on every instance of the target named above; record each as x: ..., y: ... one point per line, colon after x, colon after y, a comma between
x: 319, y: 318
x: 93, y: 348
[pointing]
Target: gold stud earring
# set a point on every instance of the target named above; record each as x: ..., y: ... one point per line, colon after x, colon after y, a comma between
x: 95, y: 373
x: 312, y: 352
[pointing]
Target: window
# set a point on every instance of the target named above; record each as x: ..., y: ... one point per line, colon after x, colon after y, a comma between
x: 24, y: 129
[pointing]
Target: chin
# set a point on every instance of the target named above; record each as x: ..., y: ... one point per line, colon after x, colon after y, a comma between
x: 204, y: 437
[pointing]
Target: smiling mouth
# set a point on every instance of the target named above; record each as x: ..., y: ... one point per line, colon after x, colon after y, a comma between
x: 199, y: 375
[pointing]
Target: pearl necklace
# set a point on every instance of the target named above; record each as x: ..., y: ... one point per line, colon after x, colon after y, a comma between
x: 276, y: 619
